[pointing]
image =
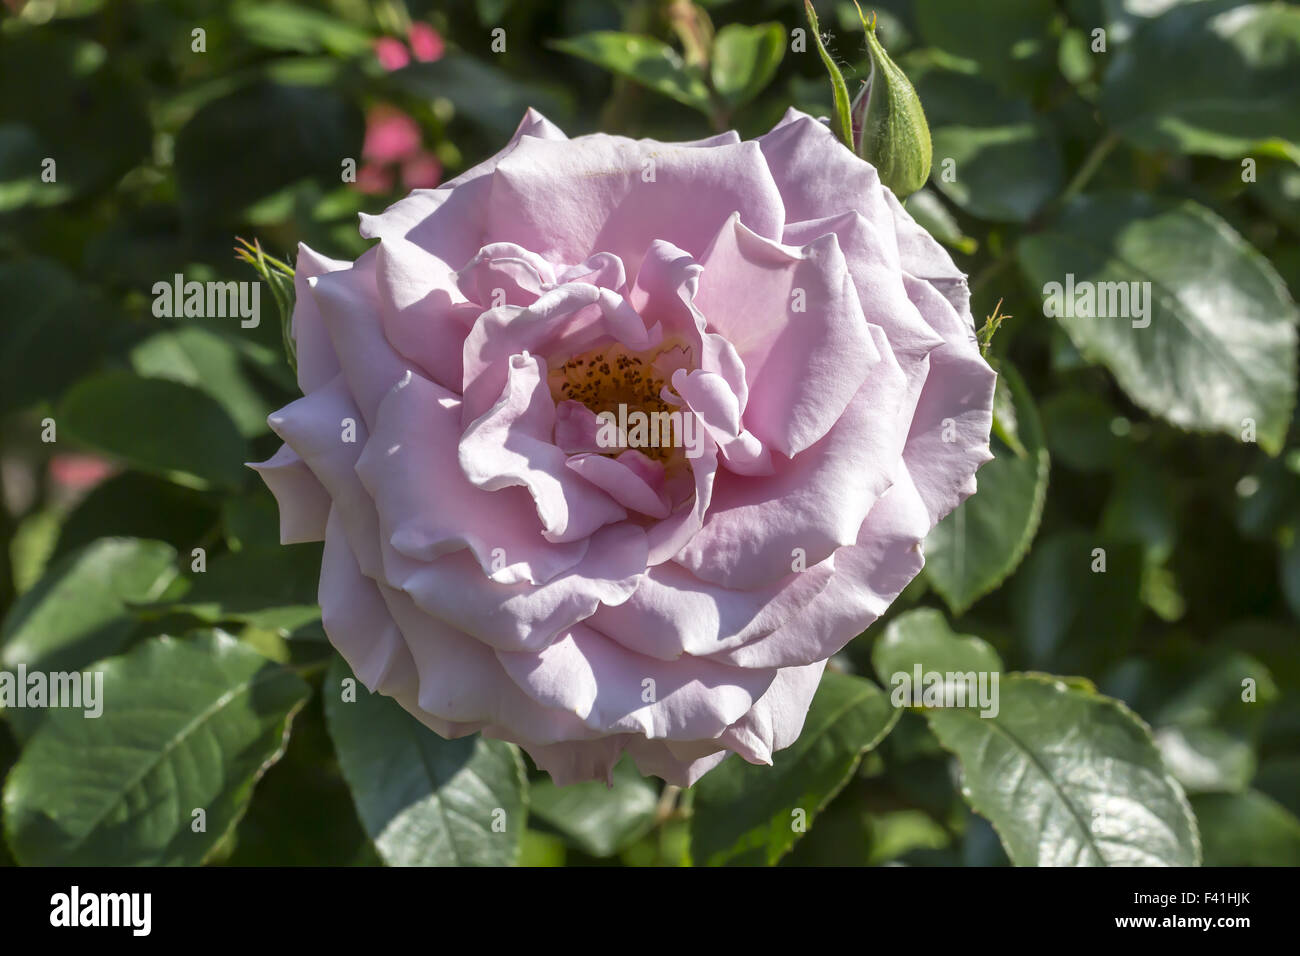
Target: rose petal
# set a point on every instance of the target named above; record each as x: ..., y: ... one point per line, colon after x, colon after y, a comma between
x: 510, y: 446
x: 566, y: 200
x: 304, y: 505
x: 794, y: 319
x: 615, y: 690
x: 427, y: 508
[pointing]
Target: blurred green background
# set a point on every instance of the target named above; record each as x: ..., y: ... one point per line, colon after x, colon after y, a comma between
x: 1167, y: 155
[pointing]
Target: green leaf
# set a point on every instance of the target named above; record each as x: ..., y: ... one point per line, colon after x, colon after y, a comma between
x: 54, y: 329
x: 599, y: 820
x: 187, y: 725
x: 1288, y: 569
x: 1247, y: 829
x: 1219, y: 351
x: 973, y: 550
x: 923, y: 637
x: 163, y: 427
x: 69, y: 100
x: 287, y: 132
x: 1069, y: 617
x: 1216, y: 78
x: 138, y: 505
x: 650, y: 62
x: 207, y: 361
x: 78, y: 612
x: 746, y: 814
x: 273, y: 588
x: 933, y: 216
x: 993, y: 156
x: 425, y: 801
x: 745, y: 59
x: 1069, y: 778
x: 302, y: 812
x: 284, y: 26
x: 1206, y: 722
x: 482, y: 94
x: 1079, y: 433
x: 1012, y: 43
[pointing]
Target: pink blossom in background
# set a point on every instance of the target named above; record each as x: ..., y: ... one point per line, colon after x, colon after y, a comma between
x: 426, y: 42
x: 391, y: 135
x: 392, y: 147
x: 426, y: 45
x: 79, y: 473
x: 392, y: 53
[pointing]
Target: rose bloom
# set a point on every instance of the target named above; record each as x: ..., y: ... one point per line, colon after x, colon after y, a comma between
x: 494, y: 565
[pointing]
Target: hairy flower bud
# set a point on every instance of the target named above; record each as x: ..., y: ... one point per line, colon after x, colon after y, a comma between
x: 889, y: 127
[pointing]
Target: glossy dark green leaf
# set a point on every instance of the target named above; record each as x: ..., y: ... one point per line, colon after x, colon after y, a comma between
x: 993, y: 156
x: 78, y: 612
x: 650, y: 62
x: 1247, y: 829
x: 923, y: 637
x: 1217, y: 77
x: 1011, y: 42
x: 302, y: 812
x: 598, y: 819
x: 206, y: 361
x: 425, y: 801
x: 54, y: 328
x: 1216, y: 349
x: 1071, y: 618
x: 973, y: 550
x: 268, y: 587
x: 162, y: 427
x: 187, y: 725
x: 745, y: 59
x: 131, y: 503
x: 1069, y: 778
x: 930, y: 212
x: 746, y: 814
x: 1207, y: 707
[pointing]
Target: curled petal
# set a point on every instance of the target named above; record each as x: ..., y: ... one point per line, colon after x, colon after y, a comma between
x: 304, y: 504
x: 511, y: 446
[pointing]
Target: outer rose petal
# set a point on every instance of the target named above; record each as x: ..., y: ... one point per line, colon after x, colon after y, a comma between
x: 304, y: 504
x: 317, y: 363
x: 586, y: 674
x: 595, y: 194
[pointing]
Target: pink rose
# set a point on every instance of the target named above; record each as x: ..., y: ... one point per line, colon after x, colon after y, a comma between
x: 496, y: 564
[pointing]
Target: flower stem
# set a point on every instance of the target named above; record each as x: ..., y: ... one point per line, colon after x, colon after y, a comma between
x: 1091, y: 163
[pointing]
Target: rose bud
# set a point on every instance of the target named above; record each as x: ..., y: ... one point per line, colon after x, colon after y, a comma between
x: 889, y: 127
